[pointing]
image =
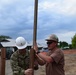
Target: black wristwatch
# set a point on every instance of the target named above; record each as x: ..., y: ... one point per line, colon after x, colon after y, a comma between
x: 37, y: 52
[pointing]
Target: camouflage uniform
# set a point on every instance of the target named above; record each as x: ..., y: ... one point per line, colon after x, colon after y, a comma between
x: 19, y: 62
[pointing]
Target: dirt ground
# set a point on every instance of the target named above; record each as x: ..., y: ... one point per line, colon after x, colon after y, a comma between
x: 70, y: 64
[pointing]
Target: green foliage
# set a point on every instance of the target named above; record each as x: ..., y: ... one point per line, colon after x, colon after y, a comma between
x: 63, y: 44
x: 70, y: 46
x: 3, y: 37
x: 74, y: 41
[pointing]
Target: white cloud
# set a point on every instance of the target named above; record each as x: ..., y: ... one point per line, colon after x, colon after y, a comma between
x: 25, y: 32
x: 66, y: 7
x: 46, y: 5
x: 66, y: 36
x: 3, y: 2
x: 17, y: 15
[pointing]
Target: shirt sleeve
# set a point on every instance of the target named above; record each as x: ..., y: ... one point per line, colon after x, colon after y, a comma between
x: 17, y: 70
x: 57, y: 55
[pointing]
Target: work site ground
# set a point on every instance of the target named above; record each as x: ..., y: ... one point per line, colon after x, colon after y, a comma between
x: 70, y: 65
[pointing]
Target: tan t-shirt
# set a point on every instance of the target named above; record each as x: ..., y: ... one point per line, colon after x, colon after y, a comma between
x: 56, y: 67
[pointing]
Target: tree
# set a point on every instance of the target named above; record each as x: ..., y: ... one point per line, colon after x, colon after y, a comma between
x: 3, y: 37
x: 74, y: 41
x: 63, y: 44
x: 70, y: 46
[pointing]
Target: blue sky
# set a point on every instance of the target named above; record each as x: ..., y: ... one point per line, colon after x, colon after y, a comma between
x: 54, y: 17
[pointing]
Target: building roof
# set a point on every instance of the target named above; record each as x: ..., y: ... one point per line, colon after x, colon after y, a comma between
x: 8, y: 43
x: 11, y: 43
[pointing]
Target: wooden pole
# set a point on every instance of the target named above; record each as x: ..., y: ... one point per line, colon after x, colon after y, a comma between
x: 34, y: 36
x: 35, y: 22
x: 3, y: 58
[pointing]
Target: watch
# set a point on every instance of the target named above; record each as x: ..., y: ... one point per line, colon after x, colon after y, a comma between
x: 37, y: 52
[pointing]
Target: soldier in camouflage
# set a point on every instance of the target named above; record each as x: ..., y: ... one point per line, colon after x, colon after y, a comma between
x: 20, y: 58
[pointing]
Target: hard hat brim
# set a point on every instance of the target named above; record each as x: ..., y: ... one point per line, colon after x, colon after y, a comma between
x: 50, y: 40
x: 22, y: 47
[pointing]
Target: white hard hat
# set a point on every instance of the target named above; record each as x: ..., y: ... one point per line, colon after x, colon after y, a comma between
x: 21, y: 43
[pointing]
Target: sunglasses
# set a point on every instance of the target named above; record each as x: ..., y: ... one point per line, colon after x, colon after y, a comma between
x: 49, y: 42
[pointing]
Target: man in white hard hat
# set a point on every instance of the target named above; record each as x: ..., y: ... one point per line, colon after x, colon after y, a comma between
x: 54, y: 59
x: 20, y: 59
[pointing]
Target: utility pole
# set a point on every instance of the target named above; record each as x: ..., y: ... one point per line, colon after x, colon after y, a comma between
x: 34, y: 35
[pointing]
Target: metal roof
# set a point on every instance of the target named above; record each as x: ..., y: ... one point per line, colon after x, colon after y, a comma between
x: 11, y: 43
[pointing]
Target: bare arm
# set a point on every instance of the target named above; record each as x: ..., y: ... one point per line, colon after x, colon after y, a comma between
x: 39, y: 60
x: 46, y: 58
x: 42, y: 58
